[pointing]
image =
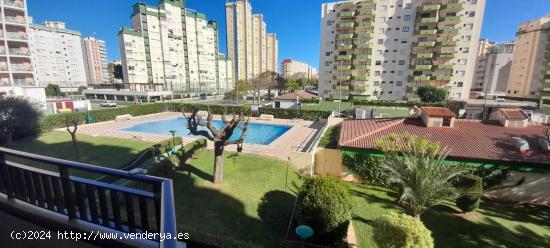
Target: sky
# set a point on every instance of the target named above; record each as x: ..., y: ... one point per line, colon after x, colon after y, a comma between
x: 296, y: 22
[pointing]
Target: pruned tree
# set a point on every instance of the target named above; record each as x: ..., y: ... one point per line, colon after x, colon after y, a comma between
x: 220, y: 137
x: 264, y: 81
x: 18, y: 118
x: 72, y: 120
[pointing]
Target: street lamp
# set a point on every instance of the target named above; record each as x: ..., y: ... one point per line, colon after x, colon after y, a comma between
x: 173, y: 132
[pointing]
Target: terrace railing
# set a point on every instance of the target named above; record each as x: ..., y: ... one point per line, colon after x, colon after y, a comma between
x: 145, y: 205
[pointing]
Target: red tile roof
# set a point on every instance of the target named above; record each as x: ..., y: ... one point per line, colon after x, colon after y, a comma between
x: 296, y: 95
x: 469, y: 139
x: 514, y: 114
x: 438, y: 112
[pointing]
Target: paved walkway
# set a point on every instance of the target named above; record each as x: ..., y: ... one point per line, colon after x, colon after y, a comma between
x: 297, y: 139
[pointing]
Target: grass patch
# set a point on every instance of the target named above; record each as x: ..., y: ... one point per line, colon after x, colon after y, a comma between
x: 253, y: 205
x: 498, y: 225
x: 100, y: 151
x: 545, y: 109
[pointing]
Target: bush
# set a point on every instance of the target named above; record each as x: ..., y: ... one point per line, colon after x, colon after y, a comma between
x: 408, y: 104
x: 401, y: 231
x: 310, y: 115
x: 365, y: 167
x: 50, y: 122
x: 330, y: 139
x: 491, y: 177
x: 431, y: 94
x: 324, y: 203
x: 471, y: 187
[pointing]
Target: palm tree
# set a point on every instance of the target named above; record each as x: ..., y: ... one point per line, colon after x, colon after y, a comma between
x: 417, y: 166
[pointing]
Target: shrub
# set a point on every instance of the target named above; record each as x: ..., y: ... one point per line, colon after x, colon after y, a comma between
x: 365, y: 167
x: 431, y: 94
x: 401, y: 231
x: 471, y: 187
x: 491, y: 177
x: 324, y: 203
x: 408, y: 104
x: 330, y: 139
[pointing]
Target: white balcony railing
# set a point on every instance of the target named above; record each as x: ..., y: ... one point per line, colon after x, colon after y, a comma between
x: 15, y: 19
x: 23, y: 68
x: 17, y: 36
x: 23, y: 82
x: 18, y: 51
x: 14, y: 3
x: 3, y: 67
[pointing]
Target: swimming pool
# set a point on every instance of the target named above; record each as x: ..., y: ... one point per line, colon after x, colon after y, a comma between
x: 258, y: 133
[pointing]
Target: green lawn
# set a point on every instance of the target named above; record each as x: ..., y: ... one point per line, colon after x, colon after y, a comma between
x: 498, y: 225
x: 545, y: 109
x: 253, y: 204
x: 101, y: 151
x: 333, y: 106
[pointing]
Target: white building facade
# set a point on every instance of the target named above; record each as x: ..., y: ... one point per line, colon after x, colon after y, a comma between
x: 386, y: 49
x: 249, y: 46
x: 170, y: 48
x: 290, y: 68
x: 57, y: 56
x: 17, y: 76
x: 493, y: 69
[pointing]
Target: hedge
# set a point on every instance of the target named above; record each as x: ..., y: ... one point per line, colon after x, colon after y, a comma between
x: 400, y: 230
x: 50, y: 122
x: 471, y: 187
x: 366, y: 167
x: 277, y: 113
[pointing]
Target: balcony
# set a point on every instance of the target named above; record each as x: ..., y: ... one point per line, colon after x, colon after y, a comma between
x: 19, y: 51
x: 344, y: 57
x: 346, y: 14
x: 444, y: 67
x: 420, y: 78
x: 3, y: 67
x: 17, y: 36
x: 430, y: 7
x: 426, y: 32
x: 341, y: 87
x: 451, y: 19
x: 343, y: 67
x: 15, y: 19
x: 87, y: 205
x: 447, y: 43
x: 450, y: 31
x: 422, y: 67
x: 429, y: 20
x: 363, y: 57
x: 452, y: 7
x: 2, y: 51
x: 424, y: 55
x: 425, y: 44
x: 365, y: 25
x: 363, y: 46
x: 343, y: 78
x: 361, y: 67
x: 361, y: 78
x: 23, y: 82
x: 363, y: 35
x: 345, y: 47
x: 446, y: 55
x: 443, y: 78
x: 14, y: 3
x: 363, y: 13
x: 21, y: 68
x: 344, y: 36
x: 346, y: 25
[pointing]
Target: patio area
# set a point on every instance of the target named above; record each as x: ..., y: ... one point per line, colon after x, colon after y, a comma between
x: 297, y: 139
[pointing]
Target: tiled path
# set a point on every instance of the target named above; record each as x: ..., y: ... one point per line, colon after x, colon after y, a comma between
x: 295, y: 139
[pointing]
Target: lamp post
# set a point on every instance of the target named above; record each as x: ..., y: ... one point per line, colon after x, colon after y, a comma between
x: 173, y: 132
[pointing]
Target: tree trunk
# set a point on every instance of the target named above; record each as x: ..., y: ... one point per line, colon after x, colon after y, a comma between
x: 269, y: 94
x: 218, y: 161
x: 75, y: 147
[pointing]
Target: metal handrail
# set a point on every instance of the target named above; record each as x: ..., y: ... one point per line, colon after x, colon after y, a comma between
x: 162, y: 193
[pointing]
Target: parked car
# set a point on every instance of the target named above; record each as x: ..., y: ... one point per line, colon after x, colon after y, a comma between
x: 108, y: 104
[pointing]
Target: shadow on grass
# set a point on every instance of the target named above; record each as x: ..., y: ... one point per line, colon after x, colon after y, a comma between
x: 273, y: 208
x: 450, y: 230
x: 523, y: 213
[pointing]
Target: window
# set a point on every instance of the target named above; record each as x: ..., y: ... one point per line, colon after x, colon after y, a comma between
x: 446, y: 122
x: 377, y: 73
x: 330, y: 22
x: 459, y: 84
x: 406, y: 18
x: 381, y: 19
x: 327, y: 54
x: 378, y: 62
x: 383, y: 7
x: 380, y: 41
x: 469, y: 26
x: 408, y: 5
x: 405, y: 29
x: 376, y: 83
x: 472, y: 14
x: 401, y: 62
x: 399, y: 83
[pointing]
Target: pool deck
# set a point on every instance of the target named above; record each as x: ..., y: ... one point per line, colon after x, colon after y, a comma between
x: 296, y: 139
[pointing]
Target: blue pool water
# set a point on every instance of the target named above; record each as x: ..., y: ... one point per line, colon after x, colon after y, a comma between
x: 257, y: 133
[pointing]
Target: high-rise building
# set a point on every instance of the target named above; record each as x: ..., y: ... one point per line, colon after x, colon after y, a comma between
x: 530, y: 72
x: 249, y: 46
x: 172, y: 48
x: 493, y: 69
x: 386, y: 49
x: 95, y: 60
x: 16, y: 68
x: 290, y: 68
x: 484, y: 46
x: 225, y: 73
x: 57, y: 56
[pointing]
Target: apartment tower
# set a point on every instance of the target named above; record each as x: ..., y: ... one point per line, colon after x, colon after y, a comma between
x: 57, y: 56
x: 172, y: 48
x: 95, y: 60
x: 249, y: 46
x: 293, y: 68
x: 17, y: 76
x: 386, y: 49
x: 493, y: 69
x: 484, y: 46
x: 530, y: 72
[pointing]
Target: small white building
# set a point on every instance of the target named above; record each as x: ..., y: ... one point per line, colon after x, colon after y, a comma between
x: 292, y: 100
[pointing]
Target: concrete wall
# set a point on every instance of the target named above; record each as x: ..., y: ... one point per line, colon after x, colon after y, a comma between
x: 328, y: 162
